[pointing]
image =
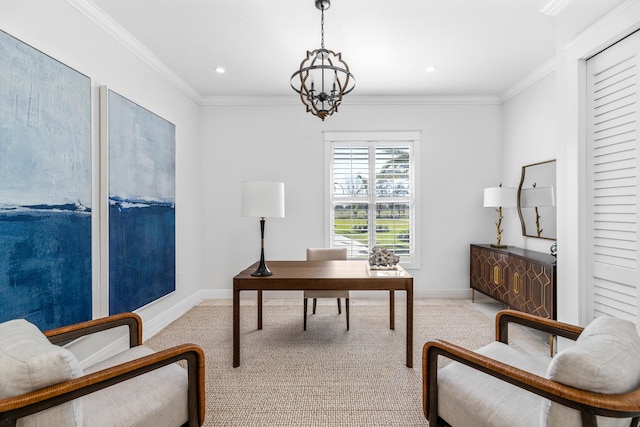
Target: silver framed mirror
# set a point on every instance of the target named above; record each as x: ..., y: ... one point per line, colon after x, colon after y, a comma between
x: 537, y: 200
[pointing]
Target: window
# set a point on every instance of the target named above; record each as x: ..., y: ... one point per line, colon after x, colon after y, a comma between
x: 371, y: 188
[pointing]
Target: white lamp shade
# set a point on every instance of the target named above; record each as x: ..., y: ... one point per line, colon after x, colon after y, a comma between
x: 537, y: 197
x: 261, y: 199
x: 497, y: 197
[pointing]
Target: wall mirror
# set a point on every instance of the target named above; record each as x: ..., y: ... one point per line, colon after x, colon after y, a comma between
x: 537, y: 200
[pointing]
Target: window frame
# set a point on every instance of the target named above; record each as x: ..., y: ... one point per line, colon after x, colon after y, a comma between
x: 376, y: 139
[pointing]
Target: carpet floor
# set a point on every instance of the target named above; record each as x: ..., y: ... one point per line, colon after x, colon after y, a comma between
x: 326, y: 376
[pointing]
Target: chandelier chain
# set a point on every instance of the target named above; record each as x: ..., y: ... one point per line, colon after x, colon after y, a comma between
x: 322, y: 28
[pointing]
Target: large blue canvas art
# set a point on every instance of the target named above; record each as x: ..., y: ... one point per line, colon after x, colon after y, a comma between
x: 141, y: 205
x: 45, y: 188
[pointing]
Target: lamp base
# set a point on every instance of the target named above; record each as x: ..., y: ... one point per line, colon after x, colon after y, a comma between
x: 262, y: 270
x: 493, y: 245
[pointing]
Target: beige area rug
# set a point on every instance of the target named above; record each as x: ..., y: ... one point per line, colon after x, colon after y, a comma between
x: 326, y: 376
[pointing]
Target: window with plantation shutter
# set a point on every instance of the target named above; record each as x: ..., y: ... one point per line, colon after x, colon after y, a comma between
x: 613, y: 82
x: 371, y: 193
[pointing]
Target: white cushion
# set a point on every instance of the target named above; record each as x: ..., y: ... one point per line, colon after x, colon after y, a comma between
x: 28, y: 361
x: 605, y: 359
x: 468, y: 397
x: 155, y: 399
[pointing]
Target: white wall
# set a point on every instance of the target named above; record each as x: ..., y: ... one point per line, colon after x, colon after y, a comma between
x: 460, y: 155
x: 60, y: 30
x: 529, y: 136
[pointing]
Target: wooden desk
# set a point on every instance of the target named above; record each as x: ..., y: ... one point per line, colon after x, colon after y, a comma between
x: 321, y: 275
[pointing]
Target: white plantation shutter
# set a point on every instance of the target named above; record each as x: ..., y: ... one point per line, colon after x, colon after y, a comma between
x: 349, y: 183
x: 371, y: 200
x: 613, y: 84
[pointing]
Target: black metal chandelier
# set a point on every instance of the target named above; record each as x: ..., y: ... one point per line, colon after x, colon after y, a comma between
x: 323, y: 78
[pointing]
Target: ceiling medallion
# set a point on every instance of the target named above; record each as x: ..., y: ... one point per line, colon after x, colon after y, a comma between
x: 324, y: 77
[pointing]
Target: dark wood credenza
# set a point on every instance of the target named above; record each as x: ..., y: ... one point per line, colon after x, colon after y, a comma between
x: 523, y: 280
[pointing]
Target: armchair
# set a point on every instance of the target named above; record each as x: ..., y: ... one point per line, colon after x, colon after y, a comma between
x: 594, y: 382
x: 42, y: 383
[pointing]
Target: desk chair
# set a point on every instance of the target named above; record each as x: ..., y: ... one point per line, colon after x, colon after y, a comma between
x: 326, y: 254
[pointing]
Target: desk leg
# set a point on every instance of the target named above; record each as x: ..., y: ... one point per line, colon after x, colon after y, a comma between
x: 236, y: 328
x: 259, y: 309
x: 410, y: 327
x: 392, y: 306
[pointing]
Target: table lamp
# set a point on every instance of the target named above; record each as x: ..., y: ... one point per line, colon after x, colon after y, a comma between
x: 261, y: 199
x: 499, y: 197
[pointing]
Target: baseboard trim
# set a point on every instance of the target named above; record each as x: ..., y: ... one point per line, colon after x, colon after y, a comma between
x: 155, y: 324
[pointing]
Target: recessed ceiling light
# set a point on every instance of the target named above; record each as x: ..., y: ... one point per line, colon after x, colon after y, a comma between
x: 431, y: 68
x: 220, y: 70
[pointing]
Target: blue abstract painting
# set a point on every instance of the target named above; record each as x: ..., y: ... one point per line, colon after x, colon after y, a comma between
x: 45, y: 188
x: 141, y: 205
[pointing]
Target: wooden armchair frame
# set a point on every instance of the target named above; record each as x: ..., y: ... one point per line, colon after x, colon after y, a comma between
x: 16, y: 407
x: 626, y: 405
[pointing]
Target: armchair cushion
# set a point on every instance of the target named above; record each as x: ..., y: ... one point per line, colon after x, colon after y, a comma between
x: 605, y: 359
x: 508, y: 405
x: 28, y: 361
x: 157, y: 398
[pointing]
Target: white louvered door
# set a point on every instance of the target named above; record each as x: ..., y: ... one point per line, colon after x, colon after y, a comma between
x: 613, y: 119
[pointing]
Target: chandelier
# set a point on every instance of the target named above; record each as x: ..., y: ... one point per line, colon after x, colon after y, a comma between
x: 323, y: 78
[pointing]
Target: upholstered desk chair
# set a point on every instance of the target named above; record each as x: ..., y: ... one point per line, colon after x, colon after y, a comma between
x: 326, y: 254
x: 42, y: 384
x: 593, y: 382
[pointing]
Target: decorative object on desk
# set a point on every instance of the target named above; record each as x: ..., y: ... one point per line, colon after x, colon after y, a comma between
x: 261, y: 199
x: 381, y: 257
x: 499, y: 197
x: 537, y: 197
x: 554, y: 249
x: 324, y: 68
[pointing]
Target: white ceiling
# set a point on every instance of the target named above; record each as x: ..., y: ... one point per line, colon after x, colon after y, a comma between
x: 481, y: 47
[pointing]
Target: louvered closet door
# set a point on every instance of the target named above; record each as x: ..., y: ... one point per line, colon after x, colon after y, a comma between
x: 613, y: 92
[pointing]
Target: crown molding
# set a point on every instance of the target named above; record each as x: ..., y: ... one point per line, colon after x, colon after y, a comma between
x: 530, y: 79
x: 244, y: 101
x: 614, y: 26
x: 423, y: 100
x: 111, y: 27
x: 118, y: 33
x: 554, y: 7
